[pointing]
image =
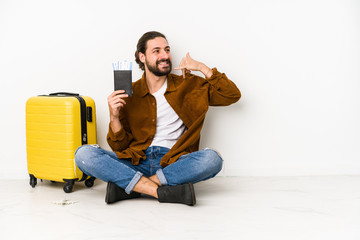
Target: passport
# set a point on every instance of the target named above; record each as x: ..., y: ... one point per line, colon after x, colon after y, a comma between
x: 123, y: 81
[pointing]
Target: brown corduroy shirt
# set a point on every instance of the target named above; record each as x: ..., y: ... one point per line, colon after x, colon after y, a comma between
x: 190, y: 97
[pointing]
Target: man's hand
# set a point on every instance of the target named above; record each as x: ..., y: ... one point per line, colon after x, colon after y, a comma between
x: 116, y: 102
x: 188, y: 64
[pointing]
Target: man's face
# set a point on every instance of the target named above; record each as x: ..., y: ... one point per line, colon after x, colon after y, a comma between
x: 158, y: 57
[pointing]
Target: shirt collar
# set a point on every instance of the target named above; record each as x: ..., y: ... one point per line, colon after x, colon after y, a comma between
x: 144, y: 90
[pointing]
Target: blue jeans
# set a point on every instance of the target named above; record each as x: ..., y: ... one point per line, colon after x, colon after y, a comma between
x: 105, y: 165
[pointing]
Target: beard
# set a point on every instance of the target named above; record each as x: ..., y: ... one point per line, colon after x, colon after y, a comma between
x: 156, y: 70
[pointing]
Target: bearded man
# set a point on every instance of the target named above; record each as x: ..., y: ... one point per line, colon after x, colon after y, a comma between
x: 154, y: 135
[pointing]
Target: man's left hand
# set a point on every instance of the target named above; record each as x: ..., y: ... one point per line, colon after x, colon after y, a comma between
x: 188, y: 64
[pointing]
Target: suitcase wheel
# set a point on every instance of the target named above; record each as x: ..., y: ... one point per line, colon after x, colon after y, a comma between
x: 33, y: 180
x: 90, y: 182
x: 68, y: 187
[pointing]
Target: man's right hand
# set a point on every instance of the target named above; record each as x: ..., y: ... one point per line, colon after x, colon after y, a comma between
x: 116, y: 102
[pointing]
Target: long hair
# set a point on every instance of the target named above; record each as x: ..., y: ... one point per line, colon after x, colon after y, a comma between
x: 142, y: 43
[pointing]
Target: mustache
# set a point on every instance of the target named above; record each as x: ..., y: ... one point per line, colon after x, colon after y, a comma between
x: 164, y: 60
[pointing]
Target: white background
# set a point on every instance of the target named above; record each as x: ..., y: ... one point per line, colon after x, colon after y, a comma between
x: 295, y: 62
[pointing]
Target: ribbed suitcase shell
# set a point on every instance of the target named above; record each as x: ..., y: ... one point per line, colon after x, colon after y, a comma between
x: 53, y: 133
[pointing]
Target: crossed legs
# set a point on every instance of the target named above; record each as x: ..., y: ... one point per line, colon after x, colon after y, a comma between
x: 190, y: 168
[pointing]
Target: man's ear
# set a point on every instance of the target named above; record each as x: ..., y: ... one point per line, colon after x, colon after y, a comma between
x: 142, y: 57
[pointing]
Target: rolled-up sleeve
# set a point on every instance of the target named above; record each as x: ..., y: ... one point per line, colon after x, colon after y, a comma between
x: 222, y: 91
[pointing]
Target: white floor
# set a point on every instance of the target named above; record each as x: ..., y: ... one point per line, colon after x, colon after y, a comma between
x: 246, y: 208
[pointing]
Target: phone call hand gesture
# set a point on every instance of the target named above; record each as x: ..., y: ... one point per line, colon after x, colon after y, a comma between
x: 188, y: 64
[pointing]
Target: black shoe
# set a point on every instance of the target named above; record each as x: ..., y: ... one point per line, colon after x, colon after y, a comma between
x: 115, y: 193
x: 177, y: 194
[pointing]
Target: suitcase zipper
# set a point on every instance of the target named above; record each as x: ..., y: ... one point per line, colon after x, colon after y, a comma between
x: 83, y: 120
x: 83, y: 128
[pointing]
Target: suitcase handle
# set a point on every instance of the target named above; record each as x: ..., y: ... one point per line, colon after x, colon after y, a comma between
x: 63, y: 94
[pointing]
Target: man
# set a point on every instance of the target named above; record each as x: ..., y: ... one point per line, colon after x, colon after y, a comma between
x: 155, y: 133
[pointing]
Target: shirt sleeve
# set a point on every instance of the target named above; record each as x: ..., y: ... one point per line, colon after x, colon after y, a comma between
x: 119, y: 141
x: 222, y: 91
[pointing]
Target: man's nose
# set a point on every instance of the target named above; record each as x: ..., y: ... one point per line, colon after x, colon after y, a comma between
x: 164, y: 55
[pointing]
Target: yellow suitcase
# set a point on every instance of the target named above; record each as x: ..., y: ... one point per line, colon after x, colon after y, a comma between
x: 56, y: 125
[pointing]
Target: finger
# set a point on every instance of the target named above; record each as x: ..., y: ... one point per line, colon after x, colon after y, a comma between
x: 112, y: 99
x: 181, y: 65
x: 120, y: 103
x: 117, y: 92
x: 120, y: 92
x: 123, y: 95
x: 116, y: 107
x: 179, y: 68
x: 118, y: 99
x: 113, y: 94
x: 183, y: 72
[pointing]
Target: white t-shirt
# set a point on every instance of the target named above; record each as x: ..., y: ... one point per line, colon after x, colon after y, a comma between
x: 169, y: 127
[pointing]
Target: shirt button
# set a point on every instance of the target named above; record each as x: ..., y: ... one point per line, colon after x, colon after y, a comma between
x: 153, y: 104
x: 153, y: 120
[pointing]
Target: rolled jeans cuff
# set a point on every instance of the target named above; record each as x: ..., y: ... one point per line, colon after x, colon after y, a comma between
x: 161, y: 177
x: 133, y: 182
